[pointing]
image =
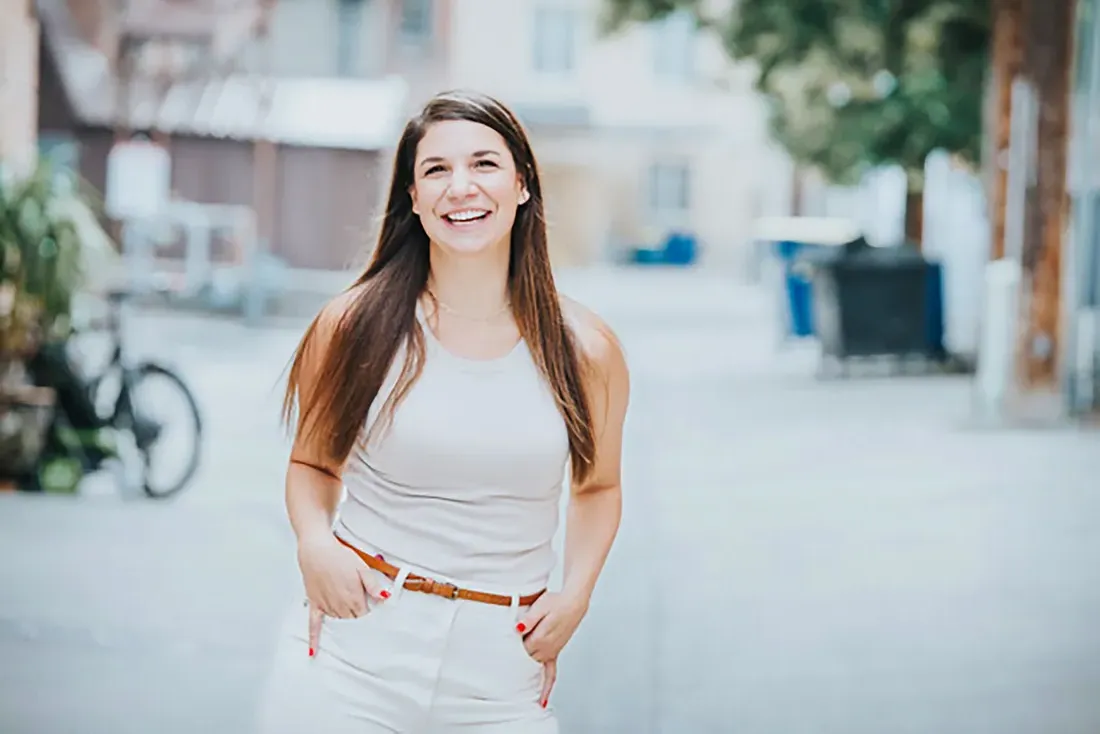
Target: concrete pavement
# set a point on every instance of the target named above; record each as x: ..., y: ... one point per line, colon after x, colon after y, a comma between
x: 796, y: 555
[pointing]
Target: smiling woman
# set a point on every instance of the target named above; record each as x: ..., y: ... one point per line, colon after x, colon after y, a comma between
x: 449, y: 390
x: 467, y: 189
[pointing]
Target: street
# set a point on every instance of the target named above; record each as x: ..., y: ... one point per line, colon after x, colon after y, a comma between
x: 797, y: 555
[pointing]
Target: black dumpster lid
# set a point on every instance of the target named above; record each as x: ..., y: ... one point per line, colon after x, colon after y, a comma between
x: 860, y: 251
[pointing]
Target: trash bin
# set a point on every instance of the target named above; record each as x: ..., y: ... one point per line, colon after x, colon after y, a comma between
x: 793, y: 240
x: 678, y: 248
x: 877, y: 301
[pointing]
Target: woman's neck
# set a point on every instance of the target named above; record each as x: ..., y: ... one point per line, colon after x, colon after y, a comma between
x: 473, y: 286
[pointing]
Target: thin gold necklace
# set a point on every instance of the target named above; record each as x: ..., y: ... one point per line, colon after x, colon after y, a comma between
x: 444, y: 307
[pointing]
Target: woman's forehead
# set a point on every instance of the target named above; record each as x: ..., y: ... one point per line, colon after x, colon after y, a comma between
x: 459, y: 139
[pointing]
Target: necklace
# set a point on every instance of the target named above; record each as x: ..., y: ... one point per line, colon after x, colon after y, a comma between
x: 444, y: 307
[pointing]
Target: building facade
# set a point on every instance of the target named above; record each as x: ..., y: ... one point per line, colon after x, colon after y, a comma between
x: 18, y: 85
x: 299, y: 143
x: 638, y: 135
x: 1081, y: 366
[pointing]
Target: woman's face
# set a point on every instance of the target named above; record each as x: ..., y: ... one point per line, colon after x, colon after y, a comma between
x: 465, y: 187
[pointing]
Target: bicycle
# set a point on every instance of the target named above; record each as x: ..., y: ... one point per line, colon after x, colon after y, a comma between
x: 77, y: 431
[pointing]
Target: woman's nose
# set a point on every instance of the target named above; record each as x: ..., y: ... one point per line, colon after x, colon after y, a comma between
x: 461, y: 184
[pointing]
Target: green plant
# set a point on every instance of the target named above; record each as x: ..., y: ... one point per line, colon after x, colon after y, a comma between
x: 40, y: 261
x: 855, y: 84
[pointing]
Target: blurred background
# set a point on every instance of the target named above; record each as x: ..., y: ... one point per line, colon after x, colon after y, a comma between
x: 852, y: 249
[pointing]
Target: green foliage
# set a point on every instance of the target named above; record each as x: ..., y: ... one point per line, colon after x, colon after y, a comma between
x: 40, y: 260
x: 855, y: 83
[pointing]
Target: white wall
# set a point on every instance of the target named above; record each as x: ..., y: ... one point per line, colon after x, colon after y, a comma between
x: 18, y: 85
x: 304, y: 37
x: 493, y: 48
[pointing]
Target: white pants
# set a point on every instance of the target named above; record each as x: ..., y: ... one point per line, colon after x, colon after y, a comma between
x: 415, y: 664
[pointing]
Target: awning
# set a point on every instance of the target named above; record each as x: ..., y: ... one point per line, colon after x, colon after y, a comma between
x: 356, y: 114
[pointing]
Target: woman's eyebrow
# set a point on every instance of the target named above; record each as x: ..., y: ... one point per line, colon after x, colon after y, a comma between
x: 476, y: 154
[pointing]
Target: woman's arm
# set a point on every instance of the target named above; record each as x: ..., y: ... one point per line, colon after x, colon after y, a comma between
x: 592, y: 520
x: 313, y: 482
x: 336, y: 581
x: 595, y: 507
x: 312, y: 495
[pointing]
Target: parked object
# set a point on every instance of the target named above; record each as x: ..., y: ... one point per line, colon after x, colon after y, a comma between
x: 88, y: 424
x: 877, y: 302
x: 678, y: 248
x: 789, y: 240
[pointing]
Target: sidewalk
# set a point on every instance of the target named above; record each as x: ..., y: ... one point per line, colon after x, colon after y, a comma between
x: 796, y: 555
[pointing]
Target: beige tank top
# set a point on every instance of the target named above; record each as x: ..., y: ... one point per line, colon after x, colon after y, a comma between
x: 467, y: 480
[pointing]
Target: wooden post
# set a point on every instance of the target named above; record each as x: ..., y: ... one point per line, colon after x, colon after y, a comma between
x: 1033, y: 41
x: 265, y: 153
x: 265, y: 187
x: 914, y: 217
x: 1006, y: 62
x: 1048, y: 52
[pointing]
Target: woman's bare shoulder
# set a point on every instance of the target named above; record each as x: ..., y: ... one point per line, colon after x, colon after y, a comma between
x: 596, y: 338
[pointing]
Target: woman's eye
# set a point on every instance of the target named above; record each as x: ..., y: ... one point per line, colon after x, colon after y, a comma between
x: 433, y: 169
x: 486, y: 163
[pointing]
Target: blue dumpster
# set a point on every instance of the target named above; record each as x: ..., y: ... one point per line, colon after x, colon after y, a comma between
x: 791, y: 239
x: 936, y: 345
x: 678, y: 248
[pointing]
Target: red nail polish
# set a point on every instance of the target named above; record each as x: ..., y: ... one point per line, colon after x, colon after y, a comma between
x: 384, y: 594
x: 544, y: 702
x: 521, y: 627
x: 311, y: 652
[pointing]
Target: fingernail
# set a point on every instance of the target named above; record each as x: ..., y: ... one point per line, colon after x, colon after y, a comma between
x: 311, y: 652
x: 544, y: 702
x: 384, y: 594
x: 521, y: 627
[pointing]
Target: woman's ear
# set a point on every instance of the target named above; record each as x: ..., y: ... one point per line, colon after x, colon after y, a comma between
x: 524, y: 195
x: 415, y: 204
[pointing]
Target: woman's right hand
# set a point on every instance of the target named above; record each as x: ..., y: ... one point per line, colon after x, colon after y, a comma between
x: 337, y: 582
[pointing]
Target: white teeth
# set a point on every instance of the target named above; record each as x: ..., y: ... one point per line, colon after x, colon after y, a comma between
x: 466, y: 216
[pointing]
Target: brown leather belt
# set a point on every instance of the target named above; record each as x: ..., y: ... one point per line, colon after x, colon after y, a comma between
x: 431, y: 586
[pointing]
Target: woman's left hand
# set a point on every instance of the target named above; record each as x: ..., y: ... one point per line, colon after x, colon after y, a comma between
x: 547, y: 627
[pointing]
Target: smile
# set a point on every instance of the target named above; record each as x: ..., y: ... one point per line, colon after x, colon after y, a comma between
x: 466, y: 216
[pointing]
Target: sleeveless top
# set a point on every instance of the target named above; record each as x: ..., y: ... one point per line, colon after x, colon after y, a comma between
x: 465, y: 482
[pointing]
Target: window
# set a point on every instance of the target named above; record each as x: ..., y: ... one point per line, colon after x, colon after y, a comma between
x: 349, y: 31
x: 669, y: 188
x: 416, y: 20
x: 555, y: 40
x: 674, y: 46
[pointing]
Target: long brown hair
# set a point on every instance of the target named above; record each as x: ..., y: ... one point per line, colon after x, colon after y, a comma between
x: 381, y: 314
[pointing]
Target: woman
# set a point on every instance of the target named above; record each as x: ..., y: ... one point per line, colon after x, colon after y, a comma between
x: 447, y: 391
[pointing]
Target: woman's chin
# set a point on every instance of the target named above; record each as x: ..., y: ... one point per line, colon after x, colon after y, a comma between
x: 469, y: 246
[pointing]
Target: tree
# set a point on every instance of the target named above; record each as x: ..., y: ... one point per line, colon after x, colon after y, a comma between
x: 853, y: 84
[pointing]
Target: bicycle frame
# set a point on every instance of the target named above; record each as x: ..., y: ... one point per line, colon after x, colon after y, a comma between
x: 123, y: 416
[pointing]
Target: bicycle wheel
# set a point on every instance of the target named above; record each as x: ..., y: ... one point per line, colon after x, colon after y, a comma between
x: 150, y: 432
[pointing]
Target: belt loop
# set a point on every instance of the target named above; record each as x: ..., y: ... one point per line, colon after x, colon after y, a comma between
x: 515, y: 606
x: 399, y: 582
